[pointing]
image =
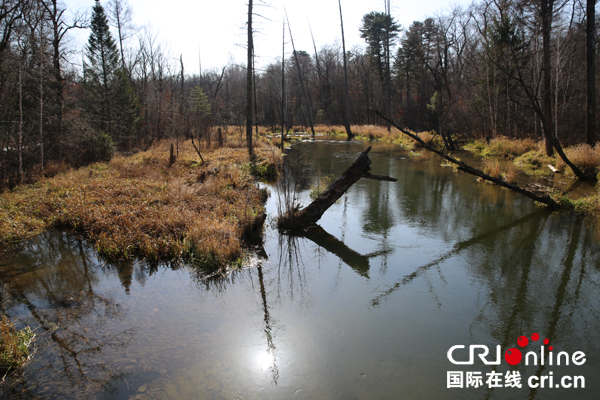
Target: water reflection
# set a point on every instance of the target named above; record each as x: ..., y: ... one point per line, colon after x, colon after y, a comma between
x: 50, y: 283
x: 435, y: 260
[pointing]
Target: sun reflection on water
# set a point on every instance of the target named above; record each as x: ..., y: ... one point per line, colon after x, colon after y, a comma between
x: 265, y: 360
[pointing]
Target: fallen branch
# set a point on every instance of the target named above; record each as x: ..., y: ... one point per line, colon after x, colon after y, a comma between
x: 474, y: 171
x: 197, y: 151
x: 303, y: 218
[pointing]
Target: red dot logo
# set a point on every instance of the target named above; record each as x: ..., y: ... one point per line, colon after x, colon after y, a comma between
x: 535, y: 337
x: 523, y: 341
x: 546, y: 341
x: 513, y: 356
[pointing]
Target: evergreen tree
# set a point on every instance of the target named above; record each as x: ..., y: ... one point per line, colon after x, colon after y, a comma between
x: 111, y: 103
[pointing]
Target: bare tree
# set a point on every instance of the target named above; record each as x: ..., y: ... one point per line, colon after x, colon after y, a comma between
x: 305, y: 103
x: 119, y: 13
x: 347, y: 96
x: 318, y: 70
x: 591, y: 137
x: 59, y: 29
x: 283, y: 98
x: 249, y: 114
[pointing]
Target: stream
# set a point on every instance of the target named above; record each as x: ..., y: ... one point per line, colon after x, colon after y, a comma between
x: 367, y: 307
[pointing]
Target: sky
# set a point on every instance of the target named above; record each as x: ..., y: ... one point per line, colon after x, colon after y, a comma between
x: 212, y: 31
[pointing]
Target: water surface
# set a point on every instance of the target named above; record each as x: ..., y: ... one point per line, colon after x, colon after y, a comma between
x: 366, y: 307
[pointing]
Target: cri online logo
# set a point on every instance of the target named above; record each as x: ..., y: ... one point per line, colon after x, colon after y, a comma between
x: 513, y: 356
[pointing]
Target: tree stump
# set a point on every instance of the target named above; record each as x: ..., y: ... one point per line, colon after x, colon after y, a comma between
x: 172, y: 157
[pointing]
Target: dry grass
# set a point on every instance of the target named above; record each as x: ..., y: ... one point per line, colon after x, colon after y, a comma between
x: 503, y: 147
x: 14, y: 345
x: 584, y: 156
x: 138, y: 205
x: 506, y: 171
x: 376, y: 132
x: 510, y: 173
x: 492, y: 168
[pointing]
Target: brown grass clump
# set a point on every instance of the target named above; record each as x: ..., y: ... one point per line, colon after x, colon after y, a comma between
x: 584, y: 156
x: 510, y: 173
x: 506, y: 171
x: 492, y: 168
x: 14, y: 345
x: 503, y: 147
x: 138, y: 205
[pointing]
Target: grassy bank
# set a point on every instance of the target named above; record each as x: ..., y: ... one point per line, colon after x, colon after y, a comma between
x: 139, y: 205
x: 508, y: 159
x: 529, y: 157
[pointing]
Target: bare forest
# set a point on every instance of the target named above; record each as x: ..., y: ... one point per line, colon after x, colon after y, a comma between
x: 514, y: 68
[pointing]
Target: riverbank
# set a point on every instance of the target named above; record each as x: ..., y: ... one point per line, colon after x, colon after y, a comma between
x: 139, y: 205
x: 513, y: 160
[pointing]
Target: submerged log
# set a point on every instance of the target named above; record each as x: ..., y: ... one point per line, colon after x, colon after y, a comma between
x: 305, y: 217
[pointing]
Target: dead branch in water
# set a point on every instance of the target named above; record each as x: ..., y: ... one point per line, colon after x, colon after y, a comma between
x: 474, y: 171
x: 303, y: 218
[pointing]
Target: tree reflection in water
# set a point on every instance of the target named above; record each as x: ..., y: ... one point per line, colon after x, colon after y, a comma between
x: 51, y: 288
x: 534, y: 276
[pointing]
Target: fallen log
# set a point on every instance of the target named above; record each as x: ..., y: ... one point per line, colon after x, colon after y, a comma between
x: 309, y: 215
x: 474, y: 171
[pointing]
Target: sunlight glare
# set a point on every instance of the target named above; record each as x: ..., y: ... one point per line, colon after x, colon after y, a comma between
x: 265, y: 360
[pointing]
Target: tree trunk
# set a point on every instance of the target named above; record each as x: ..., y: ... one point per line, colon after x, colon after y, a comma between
x: 20, y: 135
x: 306, y: 104
x: 41, y: 138
x: 547, y: 6
x: 591, y: 138
x: 283, y: 88
x: 347, y: 96
x: 318, y: 71
x: 249, y: 115
x: 301, y: 219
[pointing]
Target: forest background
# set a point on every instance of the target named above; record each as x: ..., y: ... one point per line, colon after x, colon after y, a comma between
x: 518, y: 69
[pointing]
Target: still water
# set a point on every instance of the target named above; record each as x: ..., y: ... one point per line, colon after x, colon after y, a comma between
x: 365, y: 308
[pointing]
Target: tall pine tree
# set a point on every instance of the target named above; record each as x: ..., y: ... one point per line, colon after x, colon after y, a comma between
x: 111, y: 105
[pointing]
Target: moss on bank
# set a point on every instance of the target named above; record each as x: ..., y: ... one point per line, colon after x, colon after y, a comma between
x: 139, y: 205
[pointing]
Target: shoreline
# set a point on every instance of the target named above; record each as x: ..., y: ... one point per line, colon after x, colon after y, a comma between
x: 141, y: 206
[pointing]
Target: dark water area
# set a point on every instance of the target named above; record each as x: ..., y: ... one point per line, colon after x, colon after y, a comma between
x: 367, y: 307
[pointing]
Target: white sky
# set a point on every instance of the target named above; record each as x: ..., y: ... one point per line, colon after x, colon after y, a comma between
x: 216, y: 27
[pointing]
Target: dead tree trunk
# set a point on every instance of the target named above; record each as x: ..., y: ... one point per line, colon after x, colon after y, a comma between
x: 347, y: 96
x: 591, y: 137
x: 249, y: 115
x: 318, y: 70
x: 283, y: 89
x: 474, y: 171
x: 306, y: 104
x: 301, y: 219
